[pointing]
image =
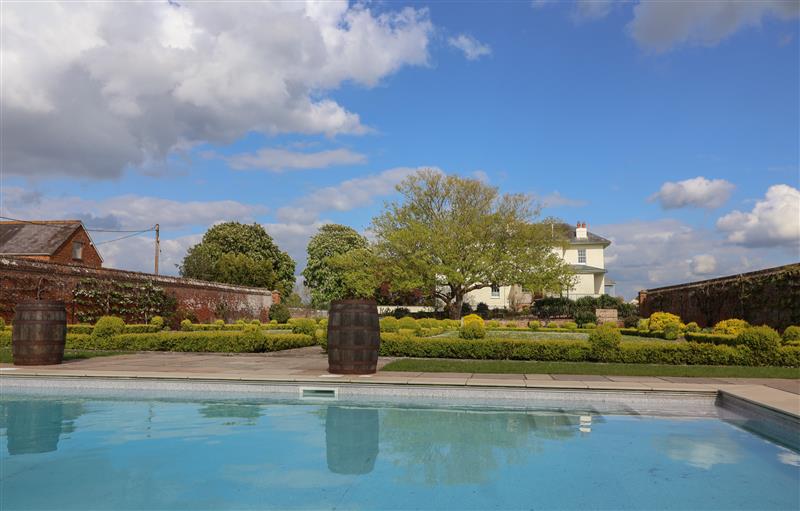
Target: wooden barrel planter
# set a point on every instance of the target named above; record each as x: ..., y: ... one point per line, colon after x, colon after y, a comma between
x: 354, y: 337
x: 40, y: 333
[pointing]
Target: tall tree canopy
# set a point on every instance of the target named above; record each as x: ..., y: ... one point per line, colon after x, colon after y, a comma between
x: 453, y: 235
x: 243, y: 254
x: 326, y: 281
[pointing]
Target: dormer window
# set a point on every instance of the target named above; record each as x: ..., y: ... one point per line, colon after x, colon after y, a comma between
x: 495, y: 291
x: 77, y: 250
x: 581, y: 256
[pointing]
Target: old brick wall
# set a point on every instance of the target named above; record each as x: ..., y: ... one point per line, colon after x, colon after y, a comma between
x: 766, y: 297
x: 22, y: 279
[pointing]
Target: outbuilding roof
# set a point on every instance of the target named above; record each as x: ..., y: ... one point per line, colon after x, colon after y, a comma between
x: 36, y: 238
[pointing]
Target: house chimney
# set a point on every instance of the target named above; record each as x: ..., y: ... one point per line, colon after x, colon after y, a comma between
x: 580, y: 231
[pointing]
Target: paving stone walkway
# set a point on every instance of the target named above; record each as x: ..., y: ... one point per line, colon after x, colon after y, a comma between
x: 310, y: 364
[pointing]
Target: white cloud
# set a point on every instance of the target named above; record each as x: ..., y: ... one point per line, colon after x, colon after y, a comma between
x: 472, y: 48
x: 137, y: 253
x: 703, y: 264
x: 774, y: 221
x: 661, y: 26
x: 350, y: 194
x: 127, y: 211
x: 697, y: 192
x: 662, y: 252
x: 141, y: 80
x: 556, y: 200
x: 481, y: 176
x: 279, y: 160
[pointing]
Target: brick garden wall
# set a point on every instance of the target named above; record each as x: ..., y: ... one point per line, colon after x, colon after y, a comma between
x: 21, y: 278
x: 766, y: 297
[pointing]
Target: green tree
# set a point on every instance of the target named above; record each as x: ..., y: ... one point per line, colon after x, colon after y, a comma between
x: 243, y: 254
x: 326, y: 282
x: 454, y: 235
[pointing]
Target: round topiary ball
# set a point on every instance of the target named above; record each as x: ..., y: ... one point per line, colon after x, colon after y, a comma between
x: 604, y: 342
x: 763, y: 343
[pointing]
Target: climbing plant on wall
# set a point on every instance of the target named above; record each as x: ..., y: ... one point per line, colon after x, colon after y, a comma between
x: 132, y: 302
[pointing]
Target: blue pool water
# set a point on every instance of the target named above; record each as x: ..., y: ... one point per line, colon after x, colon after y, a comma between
x: 139, y: 453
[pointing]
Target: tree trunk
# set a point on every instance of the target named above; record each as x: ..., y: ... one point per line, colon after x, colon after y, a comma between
x: 455, y: 307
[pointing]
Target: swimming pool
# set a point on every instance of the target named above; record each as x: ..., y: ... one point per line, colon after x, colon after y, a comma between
x: 140, y: 450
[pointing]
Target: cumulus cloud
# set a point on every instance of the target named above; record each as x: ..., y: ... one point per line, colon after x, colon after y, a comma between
x: 90, y: 89
x: 471, y: 47
x: 661, y: 26
x: 774, y: 220
x: 280, y: 160
x: 648, y: 254
x: 697, y: 192
x: 347, y: 195
x: 137, y: 253
x: 128, y: 211
x: 703, y: 264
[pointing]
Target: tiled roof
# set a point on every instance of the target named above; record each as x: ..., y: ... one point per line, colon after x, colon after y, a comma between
x: 23, y: 238
x: 591, y: 238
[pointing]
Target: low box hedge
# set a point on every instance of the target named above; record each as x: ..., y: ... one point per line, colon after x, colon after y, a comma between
x: 630, y: 352
x: 705, y: 337
x: 653, y: 334
x: 128, y: 329
x: 219, y: 341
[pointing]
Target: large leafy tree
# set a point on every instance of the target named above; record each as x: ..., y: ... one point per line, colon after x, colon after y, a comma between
x: 453, y: 235
x: 326, y: 281
x: 243, y: 254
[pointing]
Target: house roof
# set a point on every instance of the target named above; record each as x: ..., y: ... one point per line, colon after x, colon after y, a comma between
x: 35, y: 238
x: 584, y: 269
x: 591, y: 238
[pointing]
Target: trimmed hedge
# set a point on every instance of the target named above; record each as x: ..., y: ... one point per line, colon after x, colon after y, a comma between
x: 654, y: 334
x: 127, y: 329
x: 639, y: 352
x: 222, y: 342
x: 729, y: 340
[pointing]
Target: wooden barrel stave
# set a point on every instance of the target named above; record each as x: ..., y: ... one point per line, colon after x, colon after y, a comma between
x: 40, y: 332
x: 353, y: 337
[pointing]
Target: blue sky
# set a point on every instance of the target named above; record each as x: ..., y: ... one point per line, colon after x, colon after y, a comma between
x: 671, y: 128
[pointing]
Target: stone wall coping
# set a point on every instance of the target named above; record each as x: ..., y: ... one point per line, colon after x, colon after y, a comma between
x: 728, y: 278
x: 18, y: 264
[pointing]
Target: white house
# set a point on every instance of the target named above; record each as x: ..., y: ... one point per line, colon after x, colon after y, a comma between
x: 584, y: 252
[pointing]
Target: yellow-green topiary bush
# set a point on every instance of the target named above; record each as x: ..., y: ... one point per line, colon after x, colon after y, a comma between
x: 472, y: 330
x: 534, y: 324
x: 731, y: 326
x: 604, y: 342
x: 692, y: 327
x: 389, y: 324
x: 157, y: 321
x: 791, y: 336
x: 108, y: 326
x: 660, y: 320
x: 408, y: 323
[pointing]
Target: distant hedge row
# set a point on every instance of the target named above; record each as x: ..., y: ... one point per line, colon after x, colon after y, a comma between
x: 220, y: 341
x: 629, y: 352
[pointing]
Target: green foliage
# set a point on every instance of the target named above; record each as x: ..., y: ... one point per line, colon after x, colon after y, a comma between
x: 692, y: 327
x: 493, y: 324
x: 305, y: 326
x: 326, y: 282
x: 604, y: 343
x: 631, y: 321
x: 2, y: 324
x: 570, y: 325
x: 279, y: 312
x: 472, y: 330
x: 655, y: 334
x: 357, y: 271
x: 791, y: 336
x: 408, y: 323
x: 643, y: 325
x: 659, y: 320
x: 157, y: 321
x: 589, y: 326
x: 80, y: 329
x: 482, y: 310
x: 186, y: 325
x: 401, y: 312
x: 762, y: 341
x: 671, y: 331
x: 108, y: 326
x: 242, y: 254
x: 134, y: 302
x: 583, y: 316
x: 452, y: 235
x: 731, y: 326
x: 466, y: 308
x: 253, y: 341
x: 321, y: 336
x: 534, y: 325
x: 323, y: 323
x: 635, y: 352
x: 389, y: 324
x: 729, y: 340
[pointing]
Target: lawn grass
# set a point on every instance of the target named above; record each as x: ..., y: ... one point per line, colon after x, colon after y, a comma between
x: 532, y: 367
x: 6, y: 357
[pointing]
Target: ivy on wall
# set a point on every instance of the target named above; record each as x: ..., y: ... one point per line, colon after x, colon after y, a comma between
x: 135, y: 303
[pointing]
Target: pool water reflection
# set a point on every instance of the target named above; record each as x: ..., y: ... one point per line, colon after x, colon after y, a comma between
x: 72, y: 453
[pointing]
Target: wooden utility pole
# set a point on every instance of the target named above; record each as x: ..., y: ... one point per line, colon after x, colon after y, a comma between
x: 158, y: 247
